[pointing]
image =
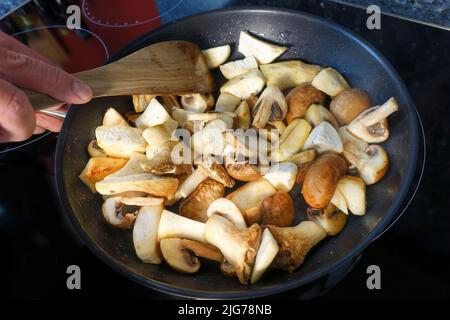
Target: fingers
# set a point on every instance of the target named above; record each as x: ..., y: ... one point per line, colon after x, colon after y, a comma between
x: 17, y: 118
x: 31, y: 73
x: 49, y: 123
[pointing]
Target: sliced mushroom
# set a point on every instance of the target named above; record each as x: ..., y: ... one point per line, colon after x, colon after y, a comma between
x: 263, y: 51
x: 145, y: 234
x: 245, y: 85
x: 317, y: 113
x: 243, y: 115
x: 172, y: 225
x: 227, y: 102
x: 160, y: 155
x: 267, y: 251
x: 197, y: 102
x: 218, y: 173
x: 324, y: 138
x: 372, y: 162
x: 330, y: 81
x: 300, y: 99
x: 243, y: 171
x: 140, y: 102
x: 302, y: 157
x: 278, y: 209
x: 98, y: 168
x: 95, y: 151
x: 239, y: 247
x: 331, y: 220
x: 348, y: 104
x: 217, y: 55
x: 167, y: 169
x: 236, y: 68
x: 226, y: 208
x: 192, y: 182
x: 251, y: 101
x: 295, y: 243
x: 196, y: 205
x: 170, y: 102
x: 353, y: 190
x: 289, y: 74
x: 132, y: 167
x: 209, y: 141
x: 371, y: 125
x: 155, y: 114
x: 348, y: 137
x: 202, y: 250
x: 292, y: 140
x: 271, y: 106
x: 156, y: 135
x: 282, y: 175
x: 120, y: 141
x: 339, y: 201
x: 279, y: 125
x: 249, y: 198
x: 114, y: 118
x: 179, y: 258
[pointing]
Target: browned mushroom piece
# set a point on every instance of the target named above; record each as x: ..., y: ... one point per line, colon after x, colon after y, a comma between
x: 300, y: 98
x: 330, y: 219
x: 271, y: 106
x: 278, y: 209
x: 348, y: 104
x: 243, y: 171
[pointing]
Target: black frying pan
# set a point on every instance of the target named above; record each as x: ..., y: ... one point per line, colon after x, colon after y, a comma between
x: 310, y: 38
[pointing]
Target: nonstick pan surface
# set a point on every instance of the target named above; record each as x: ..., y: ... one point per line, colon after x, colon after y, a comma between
x: 311, y: 39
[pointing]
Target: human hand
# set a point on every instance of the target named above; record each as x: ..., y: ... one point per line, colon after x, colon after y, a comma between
x: 21, y: 67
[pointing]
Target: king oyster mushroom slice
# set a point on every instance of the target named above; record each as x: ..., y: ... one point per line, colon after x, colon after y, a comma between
x: 95, y: 151
x: 209, y: 141
x: 330, y: 219
x: 156, y: 114
x: 172, y: 225
x: 245, y: 85
x: 197, y: 102
x: 263, y: 51
x: 239, y: 247
x: 243, y: 171
x: 196, y: 205
x: 353, y: 190
x: 236, y: 68
x: 120, y: 141
x: 145, y: 234
x: 292, y: 140
x: 267, y: 251
x: 113, y: 210
x: 338, y: 200
x: 324, y: 138
x: 217, y: 55
x: 295, y: 243
x: 243, y: 115
x: 330, y: 81
x: 289, y: 74
x: 98, y: 168
x: 317, y: 113
x: 282, y: 175
x: 227, y: 102
x: 114, y: 118
x: 217, y: 172
x: 167, y: 168
x: 271, y: 106
x: 226, y: 208
x: 372, y: 162
x: 302, y: 157
x: 371, y: 125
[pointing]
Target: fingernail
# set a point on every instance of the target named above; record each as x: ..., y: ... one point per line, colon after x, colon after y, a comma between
x: 82, y: 90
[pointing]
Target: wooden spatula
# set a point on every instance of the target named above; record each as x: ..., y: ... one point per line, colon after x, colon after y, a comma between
x: 165, y: 68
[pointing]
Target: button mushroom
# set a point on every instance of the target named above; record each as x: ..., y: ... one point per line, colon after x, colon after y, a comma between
x: 263, y: 51
x: 239, y: 247
x: 317, y: 113
x: 197, y: 102
x: 245, y: 85
x: 236, y: 68
x: 331, y: 220
x: 226, y: 208
x: 295, y: 243
x: 330, y: 81
x: 371, y: 125
x: 145, y: 234
x: 348, y: 104
x: 267, y: 251
x: 282, y: 175
x: 278, y: 209
x: 289, y: 74
x: 324, y: 138
x: 300, y: 99
x: 271, y: 106
x: 172, y: 225
x: 217, y: 55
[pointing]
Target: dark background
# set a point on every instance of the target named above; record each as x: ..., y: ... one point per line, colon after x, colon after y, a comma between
x: 37, y: 243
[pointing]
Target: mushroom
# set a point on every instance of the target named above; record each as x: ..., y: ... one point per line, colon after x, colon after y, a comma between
x: 267, y: 251
x: 282, y: 175
x: 292, y: 140
x: 245, y: 85
x: 348, y: 137
x: 209, y: 141
x: 114, y: 118
x: 295, y: 243
x: 202, y: 250
x: 324, y: 138
x: 322, y: 178
x: 145, y: 234
x: 167, y: 169
x: 236, y: 68
x: 218, y: 173
x: 249, y: 197
x: 300, y: 99
x: 353, y: 190
x: 227, y: 102
x: 217, y: 55
x: 170, y: 102
x: 243, y: 171
x: 197, y: 102
x: 317, y: 113
x: 279, y: 125
x: 172, y: 225
x: 371, y: 125
x: 348, y: 104
x: 160, y: 154
x: 251, y: 100
x: 192, y: 182
x: 278, y: 209
x: 302, y: 157
x: 263, y: 51
x: 239, y: 247
x: 243, y: 115
x: 141, y: 101
x: 289, y: 74
x: 98, y: 168
x: 156, y: 135
x: 226, y: 208
x: 156, y: 114
x: 339, y: 201
x: 114, y: 210
x: 271, y: 106
x: 330, y: 81
x: 331, y: 220
x: 372, y: 162
x: 95, y: 151
x: 302, y: 170
x: 120, y: 141
x: 196, y: 205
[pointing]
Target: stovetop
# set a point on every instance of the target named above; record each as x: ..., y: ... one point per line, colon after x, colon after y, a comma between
x: 38, y: 243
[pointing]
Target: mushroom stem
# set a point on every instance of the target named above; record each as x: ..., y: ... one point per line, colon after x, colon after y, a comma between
x: 378, y: 113
x: 173, y: 225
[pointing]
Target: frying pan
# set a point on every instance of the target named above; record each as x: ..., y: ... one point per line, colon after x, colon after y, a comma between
x: 309, y: 38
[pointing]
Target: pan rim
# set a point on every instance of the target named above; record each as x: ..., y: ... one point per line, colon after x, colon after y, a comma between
x: 294, y: 282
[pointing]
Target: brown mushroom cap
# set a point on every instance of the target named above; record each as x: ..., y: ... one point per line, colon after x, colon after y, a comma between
x: 348, y: 104
x: 300, y: 98
x: 278, y: 209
